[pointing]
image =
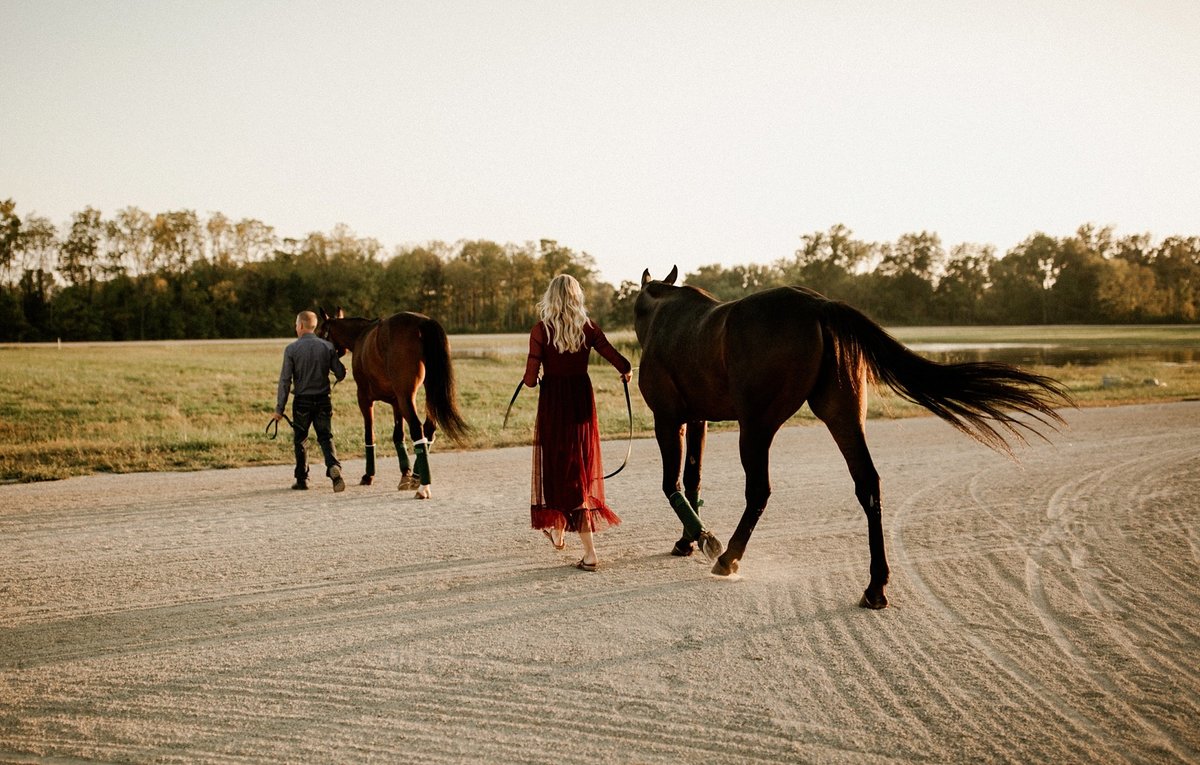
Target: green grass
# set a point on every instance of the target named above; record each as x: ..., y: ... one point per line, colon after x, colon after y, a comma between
x: 131, y: 407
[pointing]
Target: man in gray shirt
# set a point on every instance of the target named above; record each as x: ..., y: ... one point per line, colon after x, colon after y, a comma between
x: 307, y: 363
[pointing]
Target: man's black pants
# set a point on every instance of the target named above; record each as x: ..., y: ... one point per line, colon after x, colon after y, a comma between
x: 315, y: 412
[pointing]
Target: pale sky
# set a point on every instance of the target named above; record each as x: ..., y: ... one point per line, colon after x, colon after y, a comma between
x: 643, y: 133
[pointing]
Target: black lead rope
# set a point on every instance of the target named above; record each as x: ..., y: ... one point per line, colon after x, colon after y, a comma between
x: 276, y: 424
x: 629, y: 444
x: 512, y: 401
x: 628, y: 411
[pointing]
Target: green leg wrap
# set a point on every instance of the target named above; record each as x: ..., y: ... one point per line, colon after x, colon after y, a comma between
x: 401, y: 452
x: 692, y: 527
x: 421, y: 468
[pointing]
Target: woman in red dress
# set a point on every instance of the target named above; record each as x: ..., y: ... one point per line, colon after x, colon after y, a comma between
x: 568, y: 478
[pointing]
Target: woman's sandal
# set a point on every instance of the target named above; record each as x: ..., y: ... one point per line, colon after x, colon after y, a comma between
x: 587, y: 566
x: 560, y: 544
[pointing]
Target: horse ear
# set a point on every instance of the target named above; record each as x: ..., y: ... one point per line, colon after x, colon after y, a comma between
x: 672, y: 276
x: 324, y: 316
x: 340, y: 313
x: 645, y: 277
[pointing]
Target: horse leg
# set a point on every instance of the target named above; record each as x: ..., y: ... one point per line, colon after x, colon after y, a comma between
x: 866, y: 488
x: 407, y: 481
x: 670, y: 446
x: 844, y: 414
x: 368, y: 415
x: 694, y: 434
x: 408, y: 408
x: 754, y: 445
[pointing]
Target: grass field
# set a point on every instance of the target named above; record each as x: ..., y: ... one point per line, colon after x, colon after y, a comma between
x: 158, y: 406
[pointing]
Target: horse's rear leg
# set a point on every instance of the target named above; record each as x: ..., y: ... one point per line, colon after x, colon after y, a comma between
x: 844, y: 413
x: 407, y: 481
x: 754, y: 445
x: 421, y: 475
x: 368, y: 414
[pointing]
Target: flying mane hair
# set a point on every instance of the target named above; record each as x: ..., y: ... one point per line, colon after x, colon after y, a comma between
x: 564, y: 313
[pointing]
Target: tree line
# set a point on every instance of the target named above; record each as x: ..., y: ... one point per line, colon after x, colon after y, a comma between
x: 1092, y: 277
x: 173, y: 275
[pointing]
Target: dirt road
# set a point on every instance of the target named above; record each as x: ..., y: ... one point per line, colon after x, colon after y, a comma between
x: 1045, y: 611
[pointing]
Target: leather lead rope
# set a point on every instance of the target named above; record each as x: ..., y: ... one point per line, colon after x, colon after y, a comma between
x: 629, y: 443
x: 276, y: 424
x: 628, y: 411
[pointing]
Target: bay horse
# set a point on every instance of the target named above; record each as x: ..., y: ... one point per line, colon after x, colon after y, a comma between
x: 392, y: 357
x: 757, y: 360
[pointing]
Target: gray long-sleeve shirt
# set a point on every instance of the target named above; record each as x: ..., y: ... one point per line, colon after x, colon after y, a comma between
x: 307, y: 363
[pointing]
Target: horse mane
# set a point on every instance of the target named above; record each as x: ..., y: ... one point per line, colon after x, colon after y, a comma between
x: 700, y: 291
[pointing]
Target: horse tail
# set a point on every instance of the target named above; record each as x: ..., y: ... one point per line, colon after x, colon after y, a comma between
x: 979, y: 398
x: 440, y: 391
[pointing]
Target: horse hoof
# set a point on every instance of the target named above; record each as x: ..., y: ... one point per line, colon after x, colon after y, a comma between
x: 366, y: 480
x: 682, y: 549
x: 876, y: 601
x: 725, y: 569
x: 409, y: 482
x: 711, y: 547
x: 423, y: 493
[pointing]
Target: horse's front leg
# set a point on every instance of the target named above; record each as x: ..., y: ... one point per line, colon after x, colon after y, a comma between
x: 368, y: 414
x: 754, y: 445
x: 670, y: 446
x: 693, y: 459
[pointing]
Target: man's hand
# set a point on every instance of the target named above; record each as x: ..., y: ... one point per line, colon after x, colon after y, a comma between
x: 276, y: 417
x: 626, y: 376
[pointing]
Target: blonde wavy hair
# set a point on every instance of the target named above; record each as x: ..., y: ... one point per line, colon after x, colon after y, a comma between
x: 564, y: 313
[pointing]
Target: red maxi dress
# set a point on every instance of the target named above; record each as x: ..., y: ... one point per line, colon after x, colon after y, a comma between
x: 568, y: 477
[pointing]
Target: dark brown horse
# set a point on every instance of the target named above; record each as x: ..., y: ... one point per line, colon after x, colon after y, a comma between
x: 392, y: 358
x: 758, y: 359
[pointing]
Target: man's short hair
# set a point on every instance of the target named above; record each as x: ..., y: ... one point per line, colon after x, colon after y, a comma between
x: 306, y: 319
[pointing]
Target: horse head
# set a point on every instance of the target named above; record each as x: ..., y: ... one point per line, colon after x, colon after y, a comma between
x: 650, y: 297
x: 335, y: 330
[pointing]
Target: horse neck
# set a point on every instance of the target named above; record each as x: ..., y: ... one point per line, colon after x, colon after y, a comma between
x: 680, y: 315
x: 353, y: 331
x: 690, y: 303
